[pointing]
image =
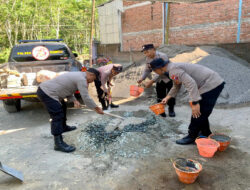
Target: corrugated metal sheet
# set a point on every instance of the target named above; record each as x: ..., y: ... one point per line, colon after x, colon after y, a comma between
x: 109, y: 21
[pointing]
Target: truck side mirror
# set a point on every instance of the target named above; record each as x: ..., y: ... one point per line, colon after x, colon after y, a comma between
x: 75, y: 54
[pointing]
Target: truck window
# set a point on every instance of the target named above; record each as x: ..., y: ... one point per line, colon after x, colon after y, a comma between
x: 39, y: 52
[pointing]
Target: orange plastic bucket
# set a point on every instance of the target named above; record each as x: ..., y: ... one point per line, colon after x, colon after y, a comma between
x: 135, y: 90
x: 191, y: 105
x: 187, y: 170
x: 223, y: 140
x: 157, y: 108
x: 207, y: 147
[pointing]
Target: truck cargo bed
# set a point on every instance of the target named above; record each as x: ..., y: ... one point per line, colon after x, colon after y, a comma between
x: 21, y: 92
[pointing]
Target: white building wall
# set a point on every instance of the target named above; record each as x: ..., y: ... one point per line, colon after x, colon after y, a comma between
x: 109, y: 22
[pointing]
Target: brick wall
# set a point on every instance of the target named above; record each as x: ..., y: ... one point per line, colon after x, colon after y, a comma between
x: 245, y: 24
x: 200, y: 23
x: 141, y: 25
x: 208, y: 23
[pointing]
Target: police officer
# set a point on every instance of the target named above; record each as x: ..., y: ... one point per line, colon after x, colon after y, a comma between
x: 204, y: 87
x: 53, y: 92
x: 163, y: 83
x: 104, y: 83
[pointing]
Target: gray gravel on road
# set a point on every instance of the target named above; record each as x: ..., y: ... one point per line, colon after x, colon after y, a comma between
x: 133, y: 140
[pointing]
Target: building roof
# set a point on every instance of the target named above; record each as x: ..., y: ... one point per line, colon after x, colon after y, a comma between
x: 105, y: 3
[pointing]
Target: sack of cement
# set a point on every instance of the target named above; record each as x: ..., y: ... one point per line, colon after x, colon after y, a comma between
x: 13, y: 81
x: 45, y: 75
x: 3, y: 80
x: 28, y: 79
x: 9, y: 72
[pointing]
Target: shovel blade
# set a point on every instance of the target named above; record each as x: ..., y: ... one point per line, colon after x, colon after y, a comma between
x: 12, y: 172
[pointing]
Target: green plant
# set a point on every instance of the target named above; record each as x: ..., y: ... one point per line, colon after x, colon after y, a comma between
x: 4, y: 55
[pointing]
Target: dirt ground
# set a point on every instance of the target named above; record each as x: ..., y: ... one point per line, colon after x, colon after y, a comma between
x: 26, y: 144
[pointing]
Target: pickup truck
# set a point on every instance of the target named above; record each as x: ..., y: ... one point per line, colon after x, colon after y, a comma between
x: 32, y: 56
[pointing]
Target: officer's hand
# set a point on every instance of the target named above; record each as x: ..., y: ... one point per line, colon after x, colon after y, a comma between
x: 196, y: 111
x: 139, y: 81
x: 77, y: 104
x: 165, y: 100
x: 99, y: 110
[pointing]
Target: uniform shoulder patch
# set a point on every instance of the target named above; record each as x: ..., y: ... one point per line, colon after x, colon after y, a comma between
x: 174, y: 77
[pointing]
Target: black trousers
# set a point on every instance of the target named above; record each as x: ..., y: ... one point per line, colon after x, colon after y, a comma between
x: 101, y: 94
x: 201, y: 124
x: 161, y: 90
x: 57, y: 111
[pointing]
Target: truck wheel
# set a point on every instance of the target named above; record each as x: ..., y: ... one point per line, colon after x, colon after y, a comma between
x: 12, y: 106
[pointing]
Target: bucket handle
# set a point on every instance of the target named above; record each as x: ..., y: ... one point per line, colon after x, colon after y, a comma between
x: 201, y: 137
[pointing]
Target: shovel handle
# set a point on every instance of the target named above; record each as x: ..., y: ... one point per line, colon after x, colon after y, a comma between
x: 113, y: 115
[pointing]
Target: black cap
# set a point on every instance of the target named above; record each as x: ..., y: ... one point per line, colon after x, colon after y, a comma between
x: 118, y: 68
x: 158, y: 63
x: 94, y: 71
x: 147, y: 47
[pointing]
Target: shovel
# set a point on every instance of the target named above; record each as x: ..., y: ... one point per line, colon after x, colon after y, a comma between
x: 12, y: 172
x: 109, y: 109
x: 109, y: 100
x: 113, y: 115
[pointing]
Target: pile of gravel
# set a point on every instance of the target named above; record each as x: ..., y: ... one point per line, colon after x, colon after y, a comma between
x: 134, y: 140
x: 173, y: 50
x: 236, y: 76
x: 234, y: 71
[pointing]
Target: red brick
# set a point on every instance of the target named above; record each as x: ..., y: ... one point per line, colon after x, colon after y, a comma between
x: 142, y: 18
x: 136, y: 42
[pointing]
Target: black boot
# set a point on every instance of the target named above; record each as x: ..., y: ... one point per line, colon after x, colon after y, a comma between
x: 68, y: 128
x: 163, y: 114
x: 186, y: 140
x: 60, y: 145
x: 171, y: 112
x: 104, y: 106
x: 113, y: 105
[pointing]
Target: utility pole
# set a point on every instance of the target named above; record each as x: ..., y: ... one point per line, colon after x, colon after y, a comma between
x: 92, y: 33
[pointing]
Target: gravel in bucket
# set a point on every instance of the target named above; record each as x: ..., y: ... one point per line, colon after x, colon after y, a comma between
x: 221, y: 138
x: 186, y: 165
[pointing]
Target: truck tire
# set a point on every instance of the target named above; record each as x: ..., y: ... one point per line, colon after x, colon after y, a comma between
x: 12, y: 106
